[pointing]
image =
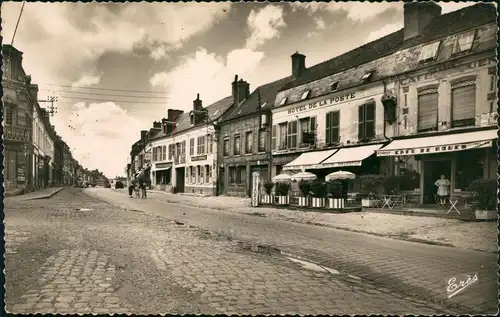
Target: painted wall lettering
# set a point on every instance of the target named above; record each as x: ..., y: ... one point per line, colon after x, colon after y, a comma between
x: 458, y: 65
x: 322, y: 103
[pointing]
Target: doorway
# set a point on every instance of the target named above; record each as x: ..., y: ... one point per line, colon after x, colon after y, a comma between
x: 432, y: 172
x: 180, y: 179
x: 221, y: 180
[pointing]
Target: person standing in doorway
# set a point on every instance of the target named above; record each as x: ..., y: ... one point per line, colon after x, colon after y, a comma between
x: 443, y: 192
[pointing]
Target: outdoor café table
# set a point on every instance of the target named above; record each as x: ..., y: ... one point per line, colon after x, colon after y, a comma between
x: 392, y: 201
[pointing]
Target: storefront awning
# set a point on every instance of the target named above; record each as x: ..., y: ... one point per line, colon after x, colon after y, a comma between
x: 162, y: 169
x: 309, y: 160
x: 351, y: 156
x: 440, y: 143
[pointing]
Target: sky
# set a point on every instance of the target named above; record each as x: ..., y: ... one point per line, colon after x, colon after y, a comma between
x: 116, y: 68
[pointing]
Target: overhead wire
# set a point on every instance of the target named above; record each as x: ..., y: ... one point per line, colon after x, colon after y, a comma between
x: 110, y: 95
x: 113, y: 100
x: 106, y: 89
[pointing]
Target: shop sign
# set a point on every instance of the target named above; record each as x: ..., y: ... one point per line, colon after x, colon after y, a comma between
x: 322, y: 103
x: 341, y: 164
x: 255, y: 188
x: 436, y: 149
x: 21, y: 177
x: 460, y: 66
x: 163, y: 165
x: 301, y: 167
x: 198, y: 158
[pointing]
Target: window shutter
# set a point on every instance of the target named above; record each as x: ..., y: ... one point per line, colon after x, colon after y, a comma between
x: 361, y: 122
x: 273, y: 137
x: 328, y: 128
x: 289, y: 131
x: 463, y: 101
x: 427, y: 110
x: 334, y: 128
x: 370, y: 120
x: 294, y: 134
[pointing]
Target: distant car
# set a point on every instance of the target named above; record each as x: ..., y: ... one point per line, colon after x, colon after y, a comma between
x: 119, y: 185
x: 107, y: 185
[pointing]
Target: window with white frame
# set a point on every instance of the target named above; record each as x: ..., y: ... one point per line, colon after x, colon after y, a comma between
x: 170, y: 154
x: 191, y: 146
x: 183, y: 147
x: 463, y: 42
x: 427, y: 116
x: 282, y: 136
x: 463, y: 103
x: 154, y: 154
x: 164, y: 153
x: 306, y: 134
x: 429, y: 52
x: 292, y: 135
x: 201, y: 145
x: 237, y: 145
x: 210, y: 143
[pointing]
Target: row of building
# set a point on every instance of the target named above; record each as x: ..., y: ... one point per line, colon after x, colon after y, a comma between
x: 420, y: 101
x: 35, y: 156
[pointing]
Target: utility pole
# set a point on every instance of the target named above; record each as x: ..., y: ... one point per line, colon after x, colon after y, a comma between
x: 51, y: 109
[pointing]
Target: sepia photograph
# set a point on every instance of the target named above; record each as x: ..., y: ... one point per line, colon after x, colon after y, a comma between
x: 250, y: 158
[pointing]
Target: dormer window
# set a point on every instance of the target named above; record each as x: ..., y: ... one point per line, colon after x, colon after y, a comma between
x: 216, y: 112
x: 429, y: 52
x: 283, y: 101
x: 191, y: 118
x: 305, y: 95
x: 334, y: 86
x: 463, y: 42
x: 367, y: 76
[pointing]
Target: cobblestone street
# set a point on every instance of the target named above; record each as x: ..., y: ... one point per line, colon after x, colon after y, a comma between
x: 73, y: 253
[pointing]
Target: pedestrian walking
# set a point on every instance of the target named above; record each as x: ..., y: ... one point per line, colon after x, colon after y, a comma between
x: 130, y: 185
x: 443, y: 191
x: 142, y: 188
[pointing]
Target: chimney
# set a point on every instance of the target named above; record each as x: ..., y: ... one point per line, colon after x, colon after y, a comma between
x: 298, y: 64
x: 174, y: 114
x: 235, y: 89
x: 156, y: 124
x: 243, y: 90
x: 143, y: 134
x: 197, y: 105
x: 417, y: 15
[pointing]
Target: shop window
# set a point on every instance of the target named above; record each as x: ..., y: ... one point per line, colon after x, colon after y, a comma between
x: 408, y: 171
x: 292, y: 135
x: 366, y: 121
x: 332, y: 127
x: 463, y: 42
x: 463, y: 101
x: 274, y: 137
x: 249, y: 142
x: 226, y: 147
x: 469, y: 167
x: 427, y: 117
x: 208, y: 171
x: 262, y: 141
x: 429, y: 52
x: 232, y: 175
x: 237, y: 144
x: 191, y: 146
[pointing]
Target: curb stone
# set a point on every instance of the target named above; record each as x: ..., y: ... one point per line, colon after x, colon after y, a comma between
x: 49, y: 195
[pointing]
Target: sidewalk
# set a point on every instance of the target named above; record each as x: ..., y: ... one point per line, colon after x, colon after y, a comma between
x: 39, y: 194
x: 481, y: 236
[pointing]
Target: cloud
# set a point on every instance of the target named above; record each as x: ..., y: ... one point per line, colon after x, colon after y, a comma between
x: 264, y: 25
x: 100, y: 135
x: 87, y: 80
x: 385, y: 30
x: 320, y: 24
x: 207, y: 74
x: 357, y: 11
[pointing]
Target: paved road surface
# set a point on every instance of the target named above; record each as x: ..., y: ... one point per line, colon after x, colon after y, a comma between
x: 409, y: 268
x: 73, y: 253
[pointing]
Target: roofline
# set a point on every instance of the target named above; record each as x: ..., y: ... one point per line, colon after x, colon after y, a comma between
x: 245, y: 115
x: 381, y: 56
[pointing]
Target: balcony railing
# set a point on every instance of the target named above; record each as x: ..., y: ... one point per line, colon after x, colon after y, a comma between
x: 15, y: 133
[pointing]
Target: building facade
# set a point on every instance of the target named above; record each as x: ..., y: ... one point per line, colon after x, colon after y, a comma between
x: 245, y: 134
x: 17, y: 107
x: 185, y: 153
x: 43, y: 146
x: 448, y: 98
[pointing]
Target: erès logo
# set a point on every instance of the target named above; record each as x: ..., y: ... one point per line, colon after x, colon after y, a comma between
x: 458, y: 283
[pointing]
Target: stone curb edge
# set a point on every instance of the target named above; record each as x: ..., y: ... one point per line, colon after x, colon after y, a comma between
x: 48, y: 195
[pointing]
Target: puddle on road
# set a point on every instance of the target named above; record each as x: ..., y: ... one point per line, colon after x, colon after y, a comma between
x: 313, y: 267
